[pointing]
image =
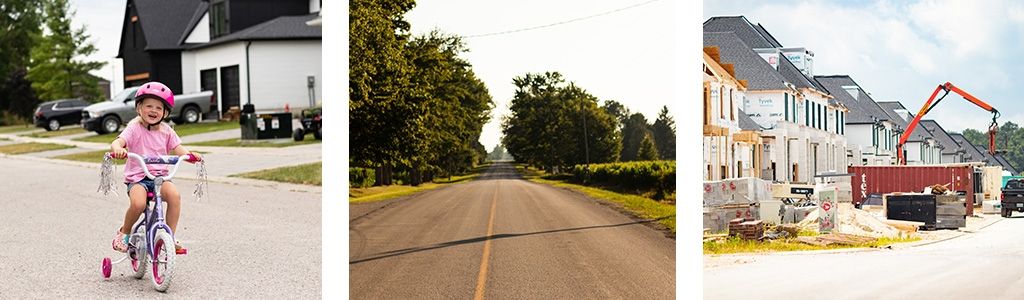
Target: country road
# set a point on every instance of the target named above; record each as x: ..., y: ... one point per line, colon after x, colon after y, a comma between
x: 502, y: 237
x: 244, y: 241
x: 986, y: 264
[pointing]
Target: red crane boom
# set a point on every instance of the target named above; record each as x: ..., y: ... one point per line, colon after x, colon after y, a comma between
x: 948, y: 87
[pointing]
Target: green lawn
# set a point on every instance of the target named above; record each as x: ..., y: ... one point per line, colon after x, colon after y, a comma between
x: 738, y: 245
x: 663, y: 213
x: 50, y: 134
x: 239, y: 143
x: 16, y: 128
x: 379, y: 193
x: 23, y: 148
x: 300, y: 174
x: 181, y: 130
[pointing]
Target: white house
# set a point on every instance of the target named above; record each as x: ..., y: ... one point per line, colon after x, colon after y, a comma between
x: 246, y: 51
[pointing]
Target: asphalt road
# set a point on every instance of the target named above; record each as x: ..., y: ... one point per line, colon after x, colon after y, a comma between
x: 987, y: 264
x: 502, y: 237
x: 244, y: 241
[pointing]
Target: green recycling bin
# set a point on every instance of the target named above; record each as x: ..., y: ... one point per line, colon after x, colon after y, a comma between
x: 266, y: 126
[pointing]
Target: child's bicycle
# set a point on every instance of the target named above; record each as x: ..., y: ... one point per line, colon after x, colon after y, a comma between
x: 150, y: 237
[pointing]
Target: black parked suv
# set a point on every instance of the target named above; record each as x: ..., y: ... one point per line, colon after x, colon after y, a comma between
x: 54, y: 114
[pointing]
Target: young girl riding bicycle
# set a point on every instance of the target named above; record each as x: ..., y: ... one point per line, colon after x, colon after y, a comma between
x: 148, y: 135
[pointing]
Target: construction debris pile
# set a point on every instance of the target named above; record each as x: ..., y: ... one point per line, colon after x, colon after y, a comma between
x: 746, y: 229
x: 853, y: 221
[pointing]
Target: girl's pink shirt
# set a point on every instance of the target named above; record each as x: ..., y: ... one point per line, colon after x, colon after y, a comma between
x: 145, y: 142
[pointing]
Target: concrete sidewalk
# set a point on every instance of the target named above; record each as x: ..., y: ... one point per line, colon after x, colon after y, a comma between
x: 220, y: 161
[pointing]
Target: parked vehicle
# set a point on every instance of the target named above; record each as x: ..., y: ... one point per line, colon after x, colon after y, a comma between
x: 108, y: 116
x: 54, y: 114
x: 310, y: 123
x: 1012, y: 198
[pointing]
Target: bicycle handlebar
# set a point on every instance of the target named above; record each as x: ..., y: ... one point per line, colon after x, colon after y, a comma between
x: 144, y: 161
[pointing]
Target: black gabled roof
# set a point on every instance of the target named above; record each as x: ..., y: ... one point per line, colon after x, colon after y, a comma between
x: 973, y: 154
x: 1006, y: 164
x: 991, y: 158
x: 949, y: 146
x: 863, y: 110
x: 749, y: 66
x: 746, y: 123
x: 162, y: 21
x: 280, y: 28
x: 204, y: 6
x: 890, y: 107
x: 753, y: 35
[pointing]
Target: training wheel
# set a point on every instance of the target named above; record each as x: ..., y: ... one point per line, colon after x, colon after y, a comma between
x: 106, y: 267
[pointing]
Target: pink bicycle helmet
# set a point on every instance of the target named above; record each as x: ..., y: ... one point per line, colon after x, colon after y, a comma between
x: 156, y: 90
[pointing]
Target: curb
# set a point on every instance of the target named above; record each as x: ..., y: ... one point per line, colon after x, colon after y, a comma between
x: 960, y: 233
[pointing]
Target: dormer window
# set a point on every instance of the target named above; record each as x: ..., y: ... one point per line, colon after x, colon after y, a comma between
x: 219, y: 24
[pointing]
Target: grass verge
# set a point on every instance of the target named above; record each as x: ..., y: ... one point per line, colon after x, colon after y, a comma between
x: 50, y: 134
x: 737, y: 245
x: 181, y: 130
x: 664, y: 214
x: 380, y: 193
x: 23, y: 148
x: 233, y: 142
x: 309, y: 174
x: 16, y: 128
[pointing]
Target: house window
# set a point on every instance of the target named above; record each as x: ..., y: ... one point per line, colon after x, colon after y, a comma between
x: 786, y: 96
x: 219, y: 23
x: 709, y: 172
x: 721, y: 105
x: 739, y: 169
x: 707, y: 104
x: 807, y: 113
x: 796, y: 172
x: 732, y: 114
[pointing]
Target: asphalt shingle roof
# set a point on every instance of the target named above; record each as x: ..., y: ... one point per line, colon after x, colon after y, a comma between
x: 754, y: 35
x: 164, y: 22
x: 749, y: 66
x: 949, y: 146
x: 280, y: 28
x: 1006, y: 164
x: 890, y: 107
x: 746, y: 123
x: 993, y: 161
x: 973, y: 154
x: 863, y: 110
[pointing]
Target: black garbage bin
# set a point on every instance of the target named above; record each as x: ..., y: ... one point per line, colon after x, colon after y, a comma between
x: 266, y: 126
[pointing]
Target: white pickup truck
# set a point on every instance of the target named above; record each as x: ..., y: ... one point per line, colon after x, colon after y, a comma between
x: 107, y: 116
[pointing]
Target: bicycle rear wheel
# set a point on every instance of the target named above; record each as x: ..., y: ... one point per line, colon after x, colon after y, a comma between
x: 163, y: 260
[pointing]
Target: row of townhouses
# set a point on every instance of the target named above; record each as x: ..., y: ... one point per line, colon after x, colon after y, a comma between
x: 767, y: 115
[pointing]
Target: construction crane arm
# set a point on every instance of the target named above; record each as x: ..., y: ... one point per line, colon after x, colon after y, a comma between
x: 948, y: 87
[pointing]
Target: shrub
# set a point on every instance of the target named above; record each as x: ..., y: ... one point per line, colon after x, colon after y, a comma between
x: 361, y: 177
x: 659, y: 176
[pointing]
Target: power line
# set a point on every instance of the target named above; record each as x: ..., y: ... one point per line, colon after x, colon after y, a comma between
x: 560, y: 23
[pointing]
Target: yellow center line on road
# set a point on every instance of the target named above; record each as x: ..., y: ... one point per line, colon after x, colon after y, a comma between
x: 481, y: 280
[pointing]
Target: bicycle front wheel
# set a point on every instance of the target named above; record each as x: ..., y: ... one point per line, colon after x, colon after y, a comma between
x: 163, y: 260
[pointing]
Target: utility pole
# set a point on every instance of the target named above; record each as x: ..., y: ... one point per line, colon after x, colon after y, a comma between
x: 586, y: 147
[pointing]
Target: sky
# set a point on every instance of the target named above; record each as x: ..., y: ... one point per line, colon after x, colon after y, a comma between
x: 902, y: 50
x: 102, y: 20
x: 624, y: 56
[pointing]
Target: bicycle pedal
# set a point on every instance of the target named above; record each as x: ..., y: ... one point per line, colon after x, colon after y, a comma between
x: 182, y: 251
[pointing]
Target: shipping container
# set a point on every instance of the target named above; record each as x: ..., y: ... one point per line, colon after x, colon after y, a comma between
x: 892, y: 179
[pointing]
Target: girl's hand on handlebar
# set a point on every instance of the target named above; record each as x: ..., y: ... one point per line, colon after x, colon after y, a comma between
x: 195, y: 157
x: 120, y: 153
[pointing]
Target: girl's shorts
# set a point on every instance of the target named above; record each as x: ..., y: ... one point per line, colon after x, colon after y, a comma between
x: 146, y: 183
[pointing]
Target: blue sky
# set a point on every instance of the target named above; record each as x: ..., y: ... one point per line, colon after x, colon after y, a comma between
x: 902, y: 50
